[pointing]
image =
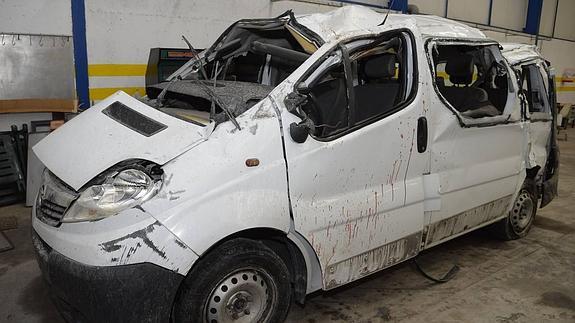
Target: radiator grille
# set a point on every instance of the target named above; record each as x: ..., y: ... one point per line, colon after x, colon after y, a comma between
x: 53, y: 200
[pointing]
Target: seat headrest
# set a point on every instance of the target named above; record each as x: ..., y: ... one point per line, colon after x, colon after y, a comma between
x: 460, y: 69
x: 382, y: 66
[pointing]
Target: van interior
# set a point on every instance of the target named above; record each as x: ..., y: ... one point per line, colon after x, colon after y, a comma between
x: 240, y: 69
x: 471, y: 79
x: 378, y: 78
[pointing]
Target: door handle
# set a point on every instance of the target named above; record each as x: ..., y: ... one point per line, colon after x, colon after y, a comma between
x: 421, y: 134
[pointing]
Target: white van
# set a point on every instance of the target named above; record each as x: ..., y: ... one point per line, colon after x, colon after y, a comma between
x: 295, y: 154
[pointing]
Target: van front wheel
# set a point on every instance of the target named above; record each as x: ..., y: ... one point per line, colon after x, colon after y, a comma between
x: 240, y: 281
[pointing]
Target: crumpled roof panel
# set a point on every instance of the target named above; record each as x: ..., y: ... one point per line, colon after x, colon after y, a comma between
x: 517, y: 53
x: 351, y: 19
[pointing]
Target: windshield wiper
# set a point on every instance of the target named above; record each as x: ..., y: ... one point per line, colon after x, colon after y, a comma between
x: 211, y: 93
x: 195, y: 56
x: 160, y: 97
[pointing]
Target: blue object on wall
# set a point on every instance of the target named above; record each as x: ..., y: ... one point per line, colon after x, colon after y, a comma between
x: 80, y: 53
x: 398, y: 5
x: 533, y: 17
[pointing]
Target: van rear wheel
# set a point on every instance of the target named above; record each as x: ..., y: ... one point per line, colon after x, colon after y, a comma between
x: 520, y: 219
x: 240, y: 281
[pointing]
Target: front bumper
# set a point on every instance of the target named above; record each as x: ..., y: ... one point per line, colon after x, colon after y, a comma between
x: 128, y: 293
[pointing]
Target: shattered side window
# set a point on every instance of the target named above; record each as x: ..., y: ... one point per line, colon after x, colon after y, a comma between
x: 472, y: 79
x: 327, y: 101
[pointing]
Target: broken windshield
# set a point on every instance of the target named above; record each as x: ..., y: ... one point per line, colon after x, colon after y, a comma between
x: 240, y: 69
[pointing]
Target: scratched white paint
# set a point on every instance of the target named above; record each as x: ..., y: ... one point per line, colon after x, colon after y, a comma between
x: 357, y: 202
x: 131, y: 237
x: 210, y: 193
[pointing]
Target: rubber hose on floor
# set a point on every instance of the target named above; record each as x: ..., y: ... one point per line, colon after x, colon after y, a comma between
x: 447, y: 277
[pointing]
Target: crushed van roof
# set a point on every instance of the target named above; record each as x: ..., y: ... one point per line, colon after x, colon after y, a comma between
x: 351, y: 19
x: 518, y: 53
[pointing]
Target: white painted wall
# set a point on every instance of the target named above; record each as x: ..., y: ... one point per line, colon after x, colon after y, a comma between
x: 430, y: 7
x: 565, y: 27
x: 547, y: 17
x: 469, y: 10
x: 48, y: 17
x: 509, y: 14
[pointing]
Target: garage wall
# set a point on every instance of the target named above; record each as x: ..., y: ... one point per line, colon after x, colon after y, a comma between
x: 46, y: 17
x: 566, y: 19
x: 120, y: 33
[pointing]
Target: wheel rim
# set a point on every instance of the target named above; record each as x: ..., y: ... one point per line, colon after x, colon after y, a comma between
x: 522, y: 212
x: 246, y: 295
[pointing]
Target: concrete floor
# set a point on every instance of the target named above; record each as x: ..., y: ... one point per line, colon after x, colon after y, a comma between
x: 530, y: 280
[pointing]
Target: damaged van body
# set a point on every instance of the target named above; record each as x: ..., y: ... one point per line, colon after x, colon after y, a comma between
x: 295, y: 154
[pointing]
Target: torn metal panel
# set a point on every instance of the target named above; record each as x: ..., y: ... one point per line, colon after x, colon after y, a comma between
x: 539, y: 133
x: 519, y: 53
x: 348, y: 20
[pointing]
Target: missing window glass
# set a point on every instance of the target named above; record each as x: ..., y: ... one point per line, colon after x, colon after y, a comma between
x: 471, y: 79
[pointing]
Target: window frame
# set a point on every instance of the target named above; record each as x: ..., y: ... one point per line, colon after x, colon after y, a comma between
x: 542, y: 116
x: 341, y: 45
x: 465, y: 122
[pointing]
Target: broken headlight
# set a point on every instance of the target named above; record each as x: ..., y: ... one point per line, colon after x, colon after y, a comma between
x: 118, y: 192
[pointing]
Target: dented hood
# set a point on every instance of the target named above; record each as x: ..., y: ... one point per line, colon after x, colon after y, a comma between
x: 116, y: 129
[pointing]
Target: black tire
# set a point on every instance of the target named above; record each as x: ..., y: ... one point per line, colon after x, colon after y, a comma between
x: 202, y: 296
x: 520, y: 219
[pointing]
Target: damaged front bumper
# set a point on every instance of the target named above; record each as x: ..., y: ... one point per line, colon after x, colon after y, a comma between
x: 125, y: 268
x: 130, y: 293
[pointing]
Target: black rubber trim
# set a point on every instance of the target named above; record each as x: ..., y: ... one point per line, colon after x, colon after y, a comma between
x: 130, y: 293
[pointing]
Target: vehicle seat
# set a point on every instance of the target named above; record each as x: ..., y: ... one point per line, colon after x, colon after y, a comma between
x: 332, y: 106
x: 378, y: 95
x: 462, y: 96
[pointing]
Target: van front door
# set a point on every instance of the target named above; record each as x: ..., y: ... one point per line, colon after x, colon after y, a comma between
x: 355, y: 183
